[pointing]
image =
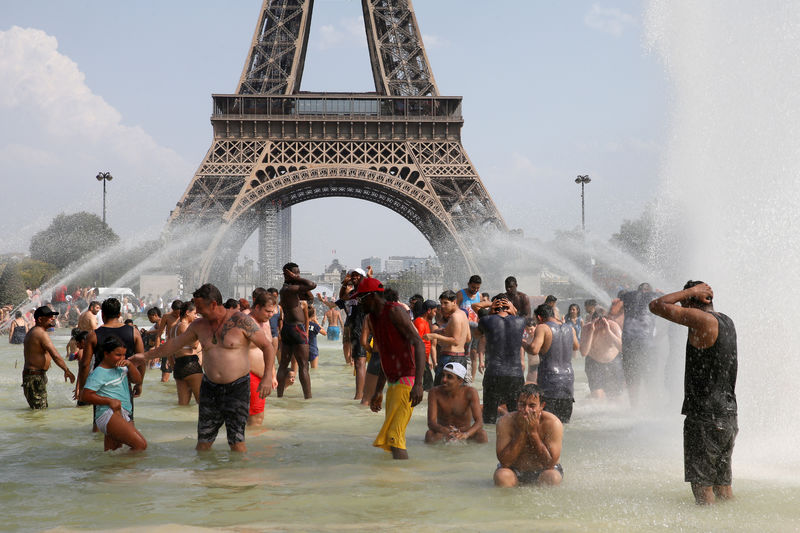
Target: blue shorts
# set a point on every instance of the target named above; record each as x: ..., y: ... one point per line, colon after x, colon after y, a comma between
x: 333, y: 333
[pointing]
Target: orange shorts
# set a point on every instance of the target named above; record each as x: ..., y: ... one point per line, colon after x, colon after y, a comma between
x: 256, y: 403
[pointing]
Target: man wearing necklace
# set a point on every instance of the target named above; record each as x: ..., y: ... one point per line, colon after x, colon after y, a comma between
x: 225, y: 335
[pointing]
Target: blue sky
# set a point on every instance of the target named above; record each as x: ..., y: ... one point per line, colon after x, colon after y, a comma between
x: 551, y: 90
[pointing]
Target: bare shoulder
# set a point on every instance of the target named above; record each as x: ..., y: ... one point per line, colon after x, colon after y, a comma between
x: 244, y: 322
x: 505, y: 423
x: 551, y: 425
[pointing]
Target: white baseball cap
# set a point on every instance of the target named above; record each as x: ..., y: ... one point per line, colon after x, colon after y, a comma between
x: 456, y: 368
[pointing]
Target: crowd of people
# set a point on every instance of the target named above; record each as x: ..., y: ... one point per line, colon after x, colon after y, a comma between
x: 230, y: 355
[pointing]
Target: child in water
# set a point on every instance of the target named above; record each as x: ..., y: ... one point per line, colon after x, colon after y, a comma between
x: 107, y: 387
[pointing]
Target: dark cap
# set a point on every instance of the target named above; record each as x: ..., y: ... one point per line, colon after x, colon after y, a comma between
x: 367, y: 286
x: 44, y: 311
x: 430, y: 304
x: 550, y: 298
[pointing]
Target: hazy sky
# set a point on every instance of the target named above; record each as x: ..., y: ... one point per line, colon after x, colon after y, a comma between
x: 551, y: 90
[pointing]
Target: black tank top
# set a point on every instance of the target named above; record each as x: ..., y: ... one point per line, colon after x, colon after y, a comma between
x: 125, y: 334
x: 556, y: 378
x: 710, y: 377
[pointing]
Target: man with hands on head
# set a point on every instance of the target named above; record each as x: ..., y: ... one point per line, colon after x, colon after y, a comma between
x: 225, y: 336
x: 529, y: 443
x: 709, y: 400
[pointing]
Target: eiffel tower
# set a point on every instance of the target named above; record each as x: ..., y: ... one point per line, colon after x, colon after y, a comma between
x: 274, y: 147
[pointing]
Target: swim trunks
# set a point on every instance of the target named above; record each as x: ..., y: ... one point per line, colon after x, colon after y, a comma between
x: 398, y: 414
x: 34, y: 386
x: 186, y: 366
x: 374, y: 364
x: 294, y: 334
x: 707, y: 449
x: 333, y: 333
x: 256, y: 403
x: 532, y: 476
x: 227, y: 403
x: 165, y: 366
x: 605, y: 376
x: 357, y: 351
x: 102, y: 420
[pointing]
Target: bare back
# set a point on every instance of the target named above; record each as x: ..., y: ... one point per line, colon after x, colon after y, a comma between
x: 87, y: 321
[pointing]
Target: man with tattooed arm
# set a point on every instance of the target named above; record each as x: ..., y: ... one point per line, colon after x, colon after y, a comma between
x: 225, y: 335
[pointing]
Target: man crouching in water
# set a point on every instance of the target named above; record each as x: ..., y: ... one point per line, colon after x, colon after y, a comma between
x: 529, y: 443
x: 454, y: 409
x: 225, y: 335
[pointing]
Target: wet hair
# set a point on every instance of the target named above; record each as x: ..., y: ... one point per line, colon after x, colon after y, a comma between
x: 74, y: 332
x: 544, y: 311
x: 262, y: 299
x: 589, y: 303
x: 231, y: 303
x: 110, y: 308
x: 416, y: 297
x: 80, y: 336
x: 111, y: 343
x: 576, y: 306
x: 391, y: 295
x: 243, y: 304
x: 290, y: 266
x: 500, y: 296
x: 128, y: 321
x: 598, y: 313
x: 176, y: 305
x: 272, y: 290
x: 475, y: 279
x: 186, y: 307
x: 486, y: 294
x: 209, y: 293
x: 17, y: 314
x: 530, y: 321
x: 448, y: 295
x: 511, y: 279
x: 528, y: 390
x: 645, y: 287
x: 691, y: 283
x: 154, y: 311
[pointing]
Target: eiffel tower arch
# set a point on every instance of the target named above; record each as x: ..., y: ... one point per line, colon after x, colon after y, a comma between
x: 274, y: 147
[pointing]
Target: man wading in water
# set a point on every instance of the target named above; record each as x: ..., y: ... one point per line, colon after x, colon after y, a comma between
x: 294, y: 337
x: 225, y: 336
x: 39, y: 354
x: 709, y: 400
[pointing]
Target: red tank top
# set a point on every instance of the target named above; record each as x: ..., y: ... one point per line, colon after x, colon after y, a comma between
x: 397, y: 357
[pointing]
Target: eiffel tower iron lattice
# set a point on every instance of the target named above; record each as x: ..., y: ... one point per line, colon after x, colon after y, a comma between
x: 274, y: 147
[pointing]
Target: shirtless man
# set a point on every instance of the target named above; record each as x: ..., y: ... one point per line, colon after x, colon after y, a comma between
x: 333, y: 318
x: 39, y: 353
x: 225, y: 336
x: 294, y: 336
x: 263, y: 308
x: 601, y: 340
x: 88, y: 319
x: 454, y: 409
x: 453, y: 338
x: 529, y: 443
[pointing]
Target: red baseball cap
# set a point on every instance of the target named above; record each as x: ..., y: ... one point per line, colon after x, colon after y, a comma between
x: 367, y: 286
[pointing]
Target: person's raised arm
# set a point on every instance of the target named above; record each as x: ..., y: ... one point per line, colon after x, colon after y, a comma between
x: 511, y: 439
x: 297, y: 284
x: 667, y: 307
x: 587, y: 336
x: 614, y: 331
x: 536, y: 344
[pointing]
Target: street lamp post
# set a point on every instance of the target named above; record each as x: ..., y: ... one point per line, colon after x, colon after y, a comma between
x: 583, y: 180
x: 104, y: 177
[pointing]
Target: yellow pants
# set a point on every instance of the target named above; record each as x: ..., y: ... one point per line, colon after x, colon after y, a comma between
x: 398, y: 414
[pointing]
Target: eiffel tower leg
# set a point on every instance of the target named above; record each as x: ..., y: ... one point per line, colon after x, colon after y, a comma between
x: 274, y: 242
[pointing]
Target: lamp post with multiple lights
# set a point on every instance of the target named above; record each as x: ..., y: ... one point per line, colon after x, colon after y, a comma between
x: 104, y: 177
x: 583, y: 180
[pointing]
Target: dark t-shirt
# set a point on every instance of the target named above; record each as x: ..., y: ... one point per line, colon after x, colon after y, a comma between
x: 273, y: 323
x: 313, y: 331
x: 710, y: 377
x: 639, y: 322
x: 355, y: 318
x: 503, y: 342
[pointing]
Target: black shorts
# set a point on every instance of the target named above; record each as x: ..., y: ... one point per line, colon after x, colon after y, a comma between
x: 374, y: 364
x: 356, y: 350
x: 561, y: 407
x: 532, y: 476
x: 294, y: 334
x: 229, y: 404
x: 498, y: 390
x: 707, y: 449
x: 186, y: 366
x: 605, y: 376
